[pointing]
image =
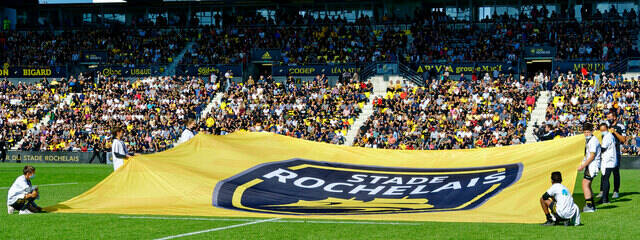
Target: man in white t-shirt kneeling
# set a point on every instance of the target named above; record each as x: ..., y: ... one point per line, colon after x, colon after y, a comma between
x: 22, y: 195
x: 559, y: 202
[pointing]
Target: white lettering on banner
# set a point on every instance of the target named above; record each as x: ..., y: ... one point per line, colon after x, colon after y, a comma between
x: 374, y: 184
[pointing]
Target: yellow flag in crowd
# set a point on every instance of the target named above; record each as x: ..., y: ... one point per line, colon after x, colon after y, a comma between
x: 210, y: 121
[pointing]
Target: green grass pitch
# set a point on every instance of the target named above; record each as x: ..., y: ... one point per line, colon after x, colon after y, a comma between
x: 618, y: 220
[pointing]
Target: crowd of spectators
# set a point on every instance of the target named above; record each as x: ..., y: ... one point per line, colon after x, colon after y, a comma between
x: 131, y: 47
x: 446, y: 114
x: 122, y: 46
x: 314, y: 110
x: 491, y: 110
x: 23, y: 105
x: 504, y: 41
x: 595, y: 41
x: 451, y: 114
x: 153, y: 111
x: 428, y: 36
x: 578, y: 98
x: 435, y: 38
x: 447, y: 43
x: 34, y: 48
x: 81, y: 111
x: 299, y: 45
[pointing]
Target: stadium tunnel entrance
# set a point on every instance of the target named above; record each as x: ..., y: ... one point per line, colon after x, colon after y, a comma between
x: 259, y: 69
x: 538, y: 65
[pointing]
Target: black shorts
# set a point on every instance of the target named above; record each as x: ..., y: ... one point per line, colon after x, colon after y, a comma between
x: 23, y: 203
x: 552, y: 209
x: 20, y: 204
x: 587, y: 175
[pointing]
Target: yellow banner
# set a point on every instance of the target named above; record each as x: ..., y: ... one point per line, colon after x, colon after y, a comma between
x: 268, y: 175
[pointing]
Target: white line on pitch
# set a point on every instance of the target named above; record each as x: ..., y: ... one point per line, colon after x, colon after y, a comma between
x: 53, y: 184
x: 218, y: 229
x: 280, y: 221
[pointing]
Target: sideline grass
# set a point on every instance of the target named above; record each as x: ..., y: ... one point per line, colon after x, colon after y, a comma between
x: 618, y: 220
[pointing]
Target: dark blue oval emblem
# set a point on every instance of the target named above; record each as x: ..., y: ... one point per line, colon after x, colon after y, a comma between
x: 306, y: 187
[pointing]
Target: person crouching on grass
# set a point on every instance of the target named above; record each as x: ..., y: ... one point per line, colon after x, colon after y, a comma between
x: 559, y: 202
x: 22, y: 194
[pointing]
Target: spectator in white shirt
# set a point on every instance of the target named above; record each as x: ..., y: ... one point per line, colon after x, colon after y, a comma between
x: 22, y: 194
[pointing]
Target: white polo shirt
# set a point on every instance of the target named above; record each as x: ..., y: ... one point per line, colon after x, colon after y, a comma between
x: 608, y: 151
x: 20, y: 187
x: 118, y: 147
x: 593, y: 146
x: 565, y: 207
x: 186, y: 135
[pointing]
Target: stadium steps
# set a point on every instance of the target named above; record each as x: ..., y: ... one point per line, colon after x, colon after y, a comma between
x: 629, y: 75
x: 44, y: 120
x: 394, y: 78
x: 214, y: 102
x: 537, y: 116
x: 171, y: 68
x: 379, y: 90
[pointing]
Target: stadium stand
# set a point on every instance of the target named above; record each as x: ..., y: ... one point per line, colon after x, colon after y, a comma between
x: 314, y: 110
x: 579, y: 98
x: 152, y: 110
x: 490, y: 108
x: 450, y: 115
x: 124, y: 46
x: 325, y: 40
x: 23, y: 105
x: 304, y: 44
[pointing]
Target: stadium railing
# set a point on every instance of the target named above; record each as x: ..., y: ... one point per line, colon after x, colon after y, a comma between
x: 367, y: 71
x: 621, y: 66
x: 410, y: 74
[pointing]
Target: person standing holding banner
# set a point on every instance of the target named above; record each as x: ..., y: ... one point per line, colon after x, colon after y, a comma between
x: 608, y: 155
x: 590, y: 165
x: 617, y: 129
x: 188, y: 132
x: 119, y: 149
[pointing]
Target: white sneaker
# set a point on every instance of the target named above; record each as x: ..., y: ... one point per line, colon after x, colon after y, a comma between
x: 615, y: 195
x: 599, y: 195
x: 588, y: 209
x: 25, y: 212
x: 10, y: 210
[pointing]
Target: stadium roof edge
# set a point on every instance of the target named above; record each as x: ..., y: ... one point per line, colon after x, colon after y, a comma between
x: 435, y: 3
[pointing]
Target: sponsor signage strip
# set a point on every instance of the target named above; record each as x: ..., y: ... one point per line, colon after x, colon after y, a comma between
x: 266, y: 55
x: 576, y: 66
x: 33, y: 72
x: 120, y: 71
x: 313, y: 70
x: 466, y: 68
x: 50, y: 157
x: 540, y: 52
x: 94, y: 56
x: 273, y: 176
x: 207, y: 70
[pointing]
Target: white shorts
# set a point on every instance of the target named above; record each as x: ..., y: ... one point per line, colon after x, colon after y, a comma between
x: 573, y: 215
x: 117, y: 163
